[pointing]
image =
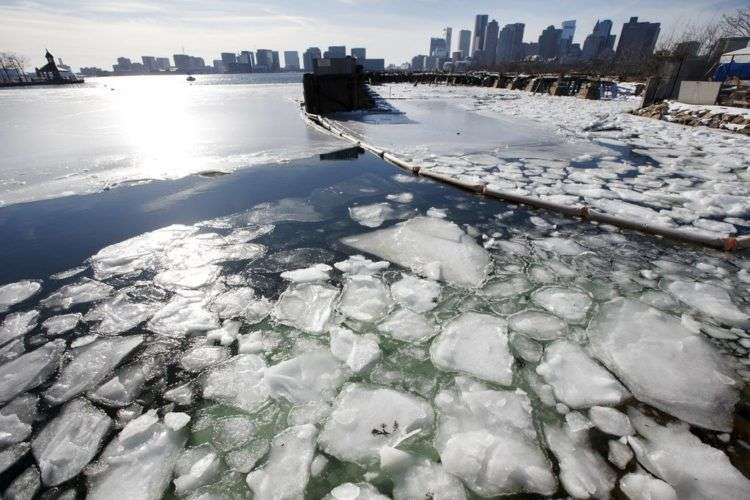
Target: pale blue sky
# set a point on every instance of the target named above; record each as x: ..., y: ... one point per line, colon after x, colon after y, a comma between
x: 94, y: 32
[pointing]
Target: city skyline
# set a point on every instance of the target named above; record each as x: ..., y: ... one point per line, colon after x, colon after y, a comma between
x: 288, y: 26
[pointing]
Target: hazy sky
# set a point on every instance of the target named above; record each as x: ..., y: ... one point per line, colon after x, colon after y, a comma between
x: 94, y: 32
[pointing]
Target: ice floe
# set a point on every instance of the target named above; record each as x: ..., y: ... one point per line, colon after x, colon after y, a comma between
x: 537, y: 325
x: 358, y: 352
x: 17, y: 324
x: 318, y: 272
x: 86, y: 290
x: 365, y: 298
x: 351, y: 491
x: 15, y: 293
x: 57, y: 325
x: 312, y: 376
x: 306, y: 306
x: 30, y: 370
x: 578, y: 380
x: 475, y: 344
x: 16, y: 419
x: 611, y: 421
x: 183, y: 315
x: 359, y: 265
x: 417, y: 294
x: 238, y: 383
x: 406, y: 325
x: 372, y: 215
x: 639, y: 486
x: 122, y: 389
x: 570, y: 304
x: 433, y: 248
x: 710, y: 300
x: 69, y: 441
x: 664, y: 364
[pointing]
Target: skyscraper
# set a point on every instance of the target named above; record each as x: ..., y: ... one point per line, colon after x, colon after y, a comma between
x: 480, y: 27
x: 228, y: 58
x: 246, y: 57
x: 337, y: 51
x: 600, y: 43
x: 360, y: 54
x: 464, y: 43
x: 162, y: 63
x: 566, y: 38
x: 490, y: 43
x: 448, y: 34
x: 149, y: 63
x: 264, y: 60
x: 417, y: 63
x: 510, y: 43
x: 438, y: 48
x: 275, y: 62
x: 291, y: 60
x: 637, y: 40
x: 549, y: 43
x: 309, y: 55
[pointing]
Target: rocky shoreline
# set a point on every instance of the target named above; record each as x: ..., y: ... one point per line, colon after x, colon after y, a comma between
x: 732, y: 119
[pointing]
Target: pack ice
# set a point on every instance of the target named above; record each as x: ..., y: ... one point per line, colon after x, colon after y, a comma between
x: 475, y: 344
x: 311, y: 376
x: 139, y: 462
x: 238, y: 382
x: 711, y: 300
x: 431, y: 247
x: 487, y: 438
x: 367, y: 418
x: 15, y: 293
x: 29, y: 370
x: 307, y: 306
x: 664, y: 364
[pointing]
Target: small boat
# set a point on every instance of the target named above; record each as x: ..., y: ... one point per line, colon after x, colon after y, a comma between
x: 190, y: 78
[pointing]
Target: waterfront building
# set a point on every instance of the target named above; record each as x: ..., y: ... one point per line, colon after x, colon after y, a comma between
x: 480, y: 27
x: 464, y: 43
x: 549, y: 43
x: 490, y: 43
x: 275, y: 62
x: 438, y: 48
x: 448, y: 35
x: 291, y: 60
x: 418, y: 63
x: 373, y: 64
x: 431, y: 63
x: 510, y: 43
x: 149, y: 63
x: 600, y: 43
x: 457, y: 56
x: 162, y: 63
x: 246, y: 57
x: 336, y: 51
x: 566, y: 37
x: 360, y: 54
x: 123, y: 65
x: 228, y: 58
x: 310, y: 54
x: 637, y: 40
x: 184, y: 62
x: 264, y: 60
x: 218, y: 66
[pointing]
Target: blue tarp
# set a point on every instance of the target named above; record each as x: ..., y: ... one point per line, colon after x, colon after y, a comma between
x: 730, y: 69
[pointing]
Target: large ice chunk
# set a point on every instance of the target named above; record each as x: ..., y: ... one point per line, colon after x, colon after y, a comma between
x: 694, y: 469
x: 317, y: 272
x: 69, y: 442
x: 312, y: 376
x: 639, y: 486
x: 287, y: 470
x: 359, y: 352
x: 17, y: 325
x: 366, y: 418
x: 569, y: 303
x: 487, y: 438
x: 16, y: 419
x: 238, y: 383
x: 122, y: 389
x: 537, y: 325
x: 476, y: 344
x: 357, y: 264
x: 583, y: 472
x: 351, y: 491
x: 664, y: 364
x: 416, y: 294
x: 29, y: 370
x: 365, y: 298
x: 86, y: 290
x: 611, y: 421
x: 90, y: 366
x: 57, y: 325
x: 119, y: 315
x: 183, y: 315
x: 711, y: 300
x: 139, y: 462
x: 188, y: 279
x: 434, y: 248
x: 578, y: 380
x: 372, y: 215
x: 425, y: 479
x: 15, y: 293
x: 307, y: 306
x: 408, y: 326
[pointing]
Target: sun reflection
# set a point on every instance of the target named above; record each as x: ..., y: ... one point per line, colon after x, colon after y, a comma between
x: 156, y: 121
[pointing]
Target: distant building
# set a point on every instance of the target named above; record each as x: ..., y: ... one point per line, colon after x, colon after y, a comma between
x: 275, y: 61
x: 373, y: 64
x: 228, y: 58
x: 549, y: 43
x: 418, y: 63
x: 93, y: 71
x: 310, y: 54
x: 431, y: 63
x: 530, y: 50
x: 360, y: 54
x: 490, y: 43
x: 480, y: 27
x: 336, y: 51
x: 438, y: 48
x: 149, y: 63
x: 464, y: 43
x: 218, y: 66
x: 291, y: 60
x: 566, y: 37
x: 162, y: 63
x: 510, y: 43
x: 263, y: 60
x: 637, y: 41
x: 457, y: 56
x: 123, y: 65
x: 690, y: 48
x: 600, y: 43
x: 448, y: 35
x: 186, y: 63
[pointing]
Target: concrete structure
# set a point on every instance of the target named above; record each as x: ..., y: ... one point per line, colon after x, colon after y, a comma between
x: 162, y: 63
x: 510, y: 43
x: 600, y: 43
x: 228, y: 58
x: 438, y: 48
x: 549, y: 43
x: 246, y: 57
x: 186, y: 63
x: 372, y: 64
x: 418, y: 63
x: 291, y: 60
x: 275, y: 61
x: 149, y: 63
x: 264, y: 60
x: 637, y: 41
x: 692, y: 92
x: 309, y: 56
x: 336, y: 51
x: 464, y: 43
x: 480, y: 27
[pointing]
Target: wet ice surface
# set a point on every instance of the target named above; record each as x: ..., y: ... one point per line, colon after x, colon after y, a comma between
x: 155, y: 129
x: 284, y: 349
x: 569, y: 151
